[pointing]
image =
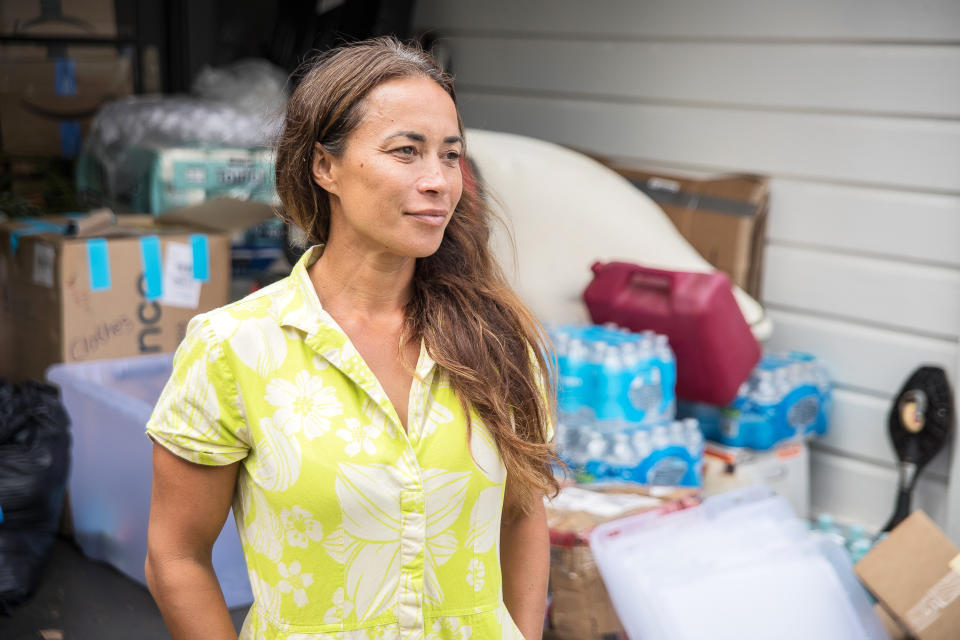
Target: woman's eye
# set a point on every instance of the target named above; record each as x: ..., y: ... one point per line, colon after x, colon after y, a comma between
x: 452, y: 156
x: 406, y: 151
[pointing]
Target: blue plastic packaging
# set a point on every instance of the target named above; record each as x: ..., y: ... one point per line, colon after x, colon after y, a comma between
x: 788, y: 395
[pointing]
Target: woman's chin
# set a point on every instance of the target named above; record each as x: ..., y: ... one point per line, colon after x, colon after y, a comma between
x: 422, y: 247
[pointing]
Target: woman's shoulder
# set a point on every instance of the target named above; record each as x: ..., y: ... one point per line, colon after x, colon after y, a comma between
x: 264, y: 306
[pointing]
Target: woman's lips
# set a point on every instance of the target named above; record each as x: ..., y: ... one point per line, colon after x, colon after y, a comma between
x: 433, y: 218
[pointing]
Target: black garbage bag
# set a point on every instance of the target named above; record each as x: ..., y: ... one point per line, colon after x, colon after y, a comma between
x: 34, y: 461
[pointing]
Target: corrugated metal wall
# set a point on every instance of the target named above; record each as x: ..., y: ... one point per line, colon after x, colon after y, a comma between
x: 853, y: 107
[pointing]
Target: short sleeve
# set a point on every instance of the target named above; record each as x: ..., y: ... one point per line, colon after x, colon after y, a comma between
x: 197, y: 416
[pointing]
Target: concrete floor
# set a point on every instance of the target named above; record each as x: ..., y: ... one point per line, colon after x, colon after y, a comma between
x: 86, y: 600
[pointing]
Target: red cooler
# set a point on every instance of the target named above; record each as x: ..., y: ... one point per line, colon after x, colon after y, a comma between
x: 714, y: 347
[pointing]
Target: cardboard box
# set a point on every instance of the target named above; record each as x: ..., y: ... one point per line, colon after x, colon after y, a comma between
x: 915, y: 574
x: 723, y: 218
x: 785, y: 469
x: 46, y: 104
x: 65, y: 18
x: 580, y: 608
x: 120, y: 290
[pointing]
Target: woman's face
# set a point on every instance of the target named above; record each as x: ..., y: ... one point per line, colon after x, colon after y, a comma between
x: 396, y: 184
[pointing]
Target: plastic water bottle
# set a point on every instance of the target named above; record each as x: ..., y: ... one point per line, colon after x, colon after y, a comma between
x: 666, y: 363
x: 610, y: 409
x: 574, y: 381
x: 622, y: 453
x: 642, y: 444
x: 694, y: 439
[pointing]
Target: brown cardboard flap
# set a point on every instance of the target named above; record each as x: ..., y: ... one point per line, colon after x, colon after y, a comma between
x: 910, y: 573
x: 221, y: 214
x: 86, y: 18
x: 723, y: 217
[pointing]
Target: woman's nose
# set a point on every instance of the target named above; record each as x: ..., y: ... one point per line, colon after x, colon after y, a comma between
x: 434, y: 179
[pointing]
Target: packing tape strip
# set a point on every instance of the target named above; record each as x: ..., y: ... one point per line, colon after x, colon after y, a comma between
x: 98, y: 263
x: 152, y: 267
x: 65, y: 84
x: 34, y: 226
x: 201, y: 257
x: 937, y: 598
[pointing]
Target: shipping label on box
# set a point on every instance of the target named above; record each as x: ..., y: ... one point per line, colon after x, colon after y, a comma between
x: 75, y: 299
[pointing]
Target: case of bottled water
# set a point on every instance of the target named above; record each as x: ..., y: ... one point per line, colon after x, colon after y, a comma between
x: 787, y: 395
x: 612, y: 378
x: 616, y: 408
x: 669, y: 454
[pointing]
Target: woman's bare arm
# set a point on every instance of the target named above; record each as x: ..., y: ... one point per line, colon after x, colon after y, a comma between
x: 525, y: 563
x: 189, y: 506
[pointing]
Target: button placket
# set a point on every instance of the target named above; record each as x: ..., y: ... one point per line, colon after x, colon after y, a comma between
x: 412, y: 550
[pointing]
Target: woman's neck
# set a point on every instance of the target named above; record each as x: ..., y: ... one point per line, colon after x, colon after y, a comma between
x: 362, y: 285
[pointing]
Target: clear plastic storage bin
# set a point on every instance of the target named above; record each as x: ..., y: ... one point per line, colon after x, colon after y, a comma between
x: 109, y: 403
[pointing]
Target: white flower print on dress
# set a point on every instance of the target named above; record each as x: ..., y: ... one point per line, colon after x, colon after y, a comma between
x: 300, y: 527
x: 438, y: 415
x: 484, y: 520
x: 260, y: 344
x: 303, y: 405
x: 263, y: 534
x: 475, y: 573
x: 275, y: 462
x: 340, y: 609
x: 198, y: 405
x: 370, y: 539
x: 294, y: 581
x: 443, y: 494
x: 359, y: 436
x: 449, y: 628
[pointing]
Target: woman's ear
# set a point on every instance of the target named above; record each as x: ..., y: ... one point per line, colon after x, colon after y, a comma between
x: 321, y: 167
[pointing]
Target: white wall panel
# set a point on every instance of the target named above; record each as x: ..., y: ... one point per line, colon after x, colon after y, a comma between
x: 893, y: 224
x: 910, y: 297
x: 868, y: 78
x: 875, y: 360
x: 850, y: 20
x: 862, y: 492
x: 871, y: 150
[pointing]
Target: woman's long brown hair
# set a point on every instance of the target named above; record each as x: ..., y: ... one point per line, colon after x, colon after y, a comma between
x: 473, y: 324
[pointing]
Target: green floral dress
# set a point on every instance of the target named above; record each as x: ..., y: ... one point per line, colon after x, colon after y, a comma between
x: 352, y: 528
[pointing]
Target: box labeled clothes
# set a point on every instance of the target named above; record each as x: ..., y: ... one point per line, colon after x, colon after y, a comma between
x: 88, y: 287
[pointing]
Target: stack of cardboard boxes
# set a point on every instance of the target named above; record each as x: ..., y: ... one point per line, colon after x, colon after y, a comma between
x: 76, y: 288
x: 70, y: 62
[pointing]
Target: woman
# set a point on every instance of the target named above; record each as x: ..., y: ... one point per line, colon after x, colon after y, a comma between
x: 371, y: 417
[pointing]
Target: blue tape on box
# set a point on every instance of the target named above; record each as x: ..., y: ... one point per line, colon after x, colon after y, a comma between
x: 152, y: 267
x: 201, y: 257
x: 98, y: 262
x: 65, y: 84
x: 70, y: 138
x: 65, y: 76
x: 34, y: 226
